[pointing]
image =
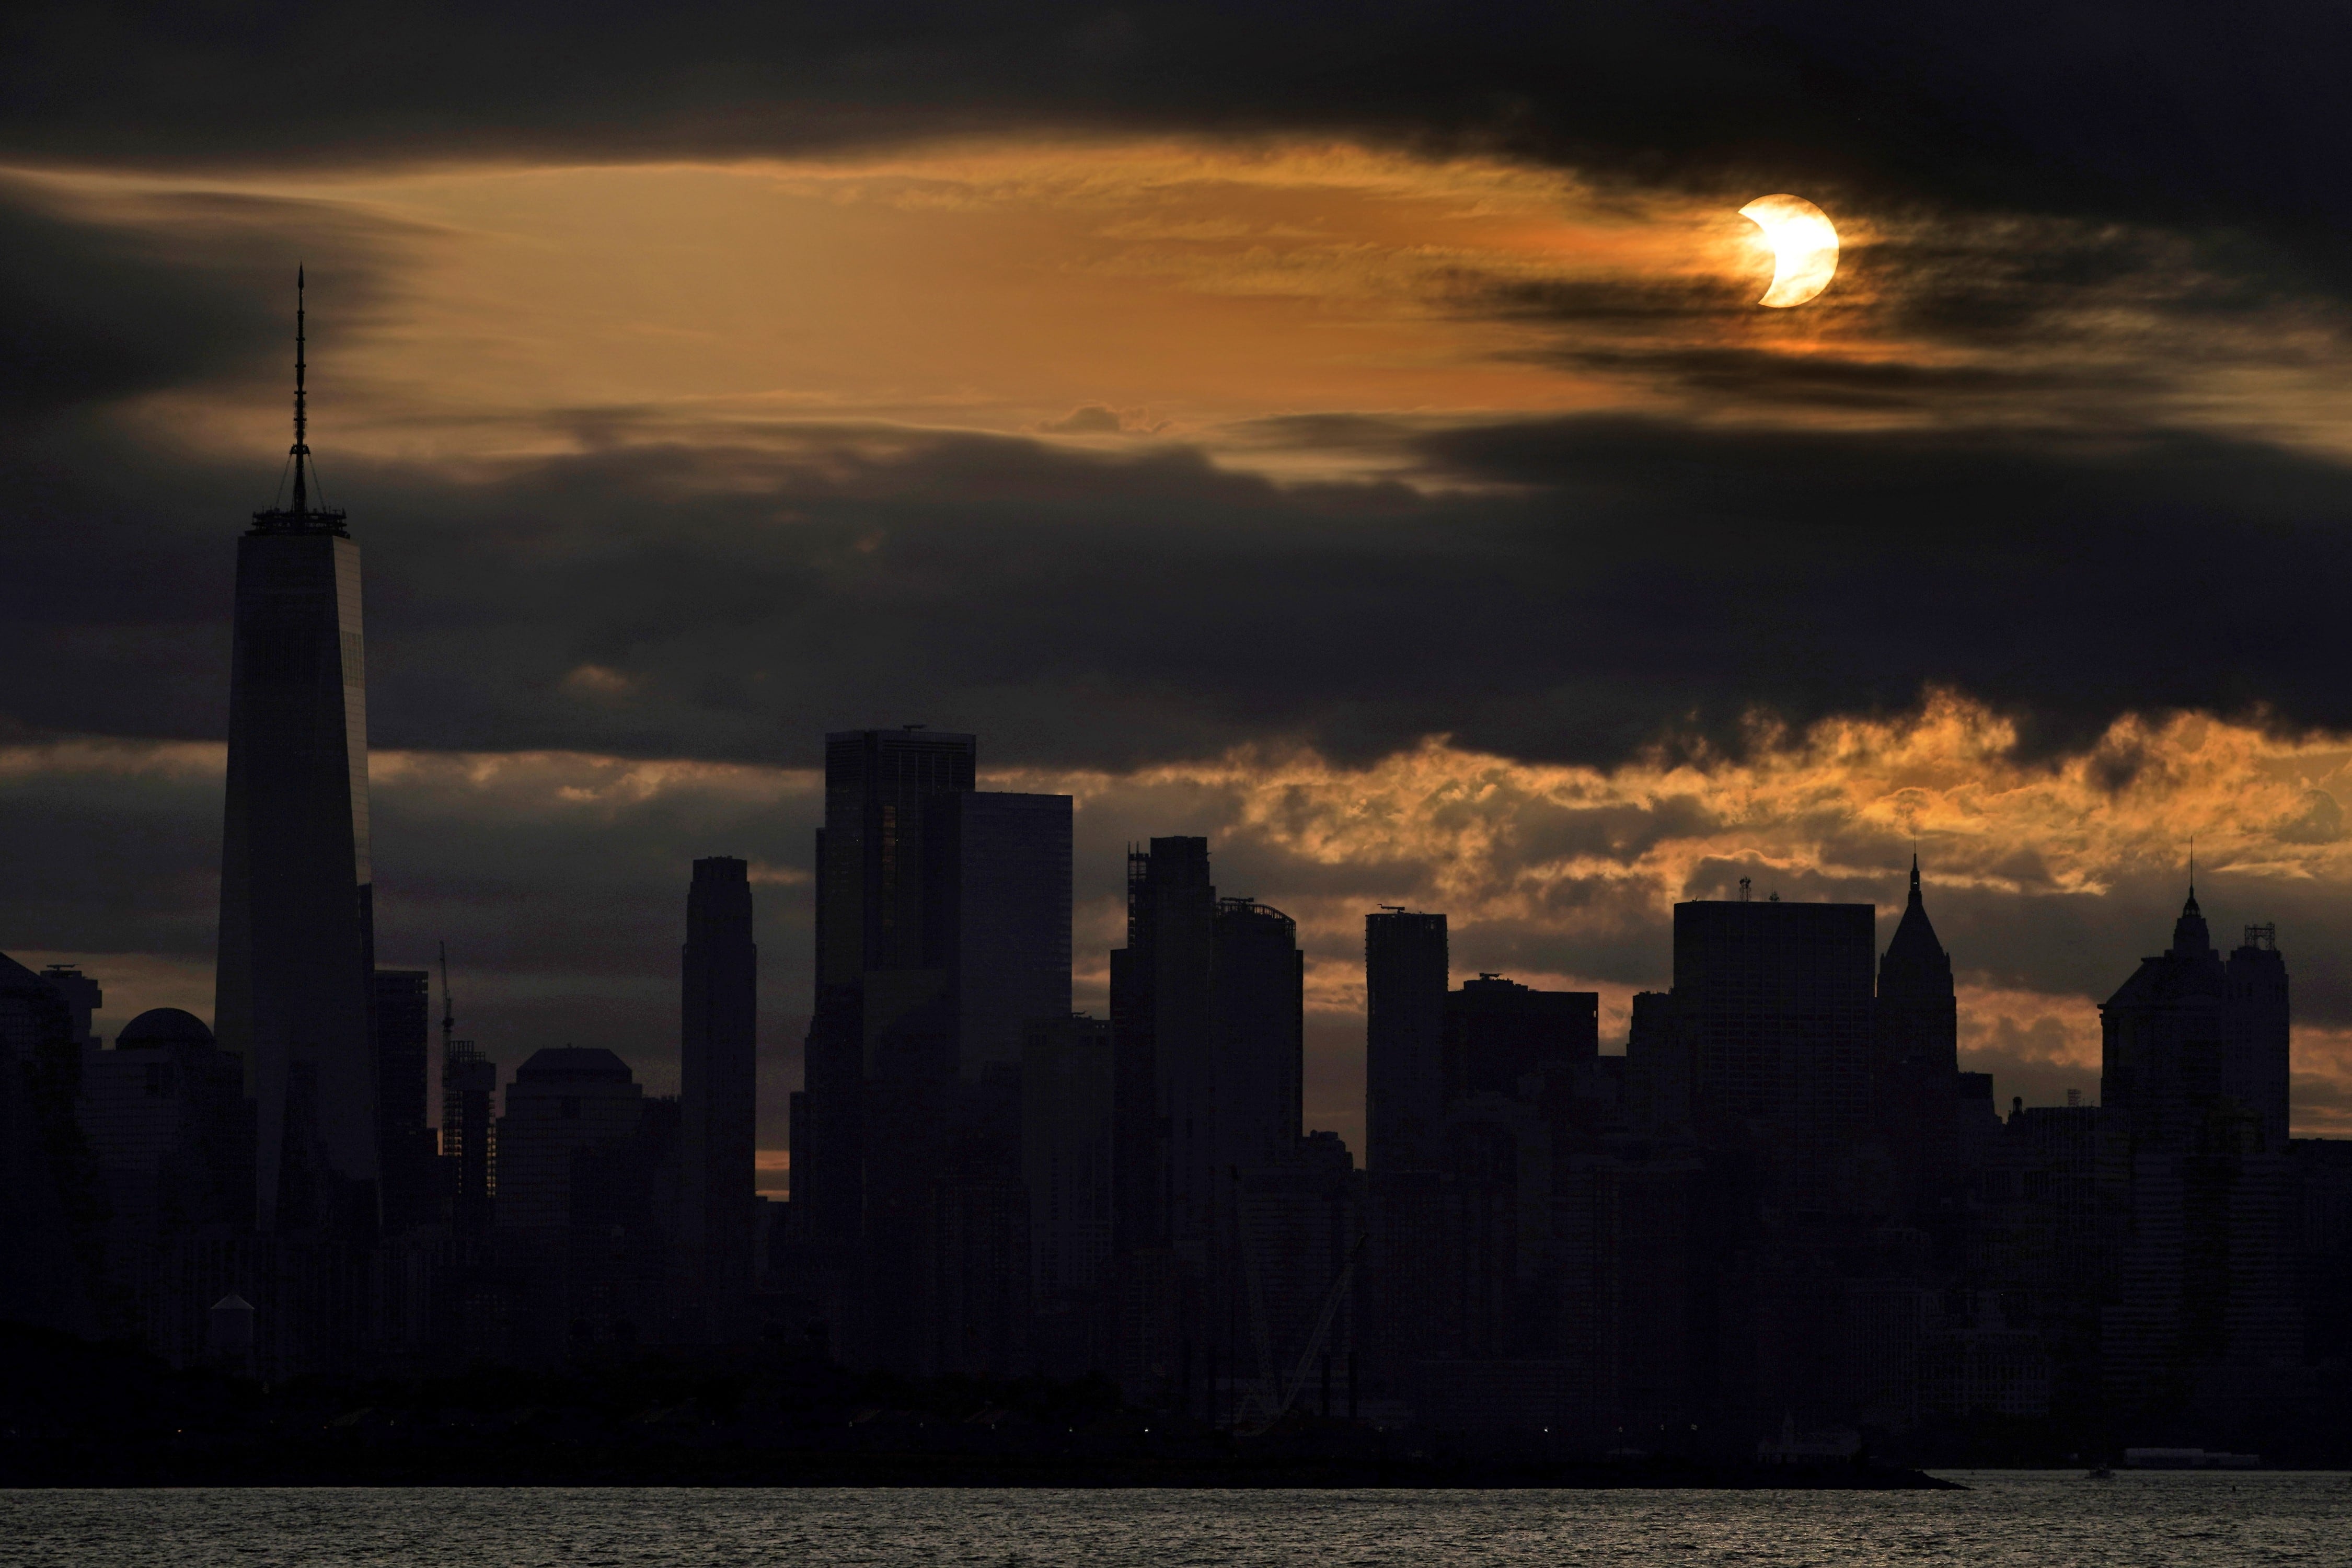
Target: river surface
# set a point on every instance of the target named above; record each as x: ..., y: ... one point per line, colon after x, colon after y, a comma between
x: 2005, y: 1520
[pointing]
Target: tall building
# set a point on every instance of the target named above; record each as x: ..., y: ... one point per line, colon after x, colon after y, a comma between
x: 561, y: 1100
x: 1258, y: 1021
x: 2192, y: 1088
x: 1405, y: 983
x: 2189, y: 1031
x: 297, y: 925
x: 1776, y: 1001
x: 876, y: 909
x: 719, y: 1085
x: 81, y: 995
x: 1498, y: 1032
x: 401, y: 1019
x: 1005, y: 861
x: 1067, y: 1083
x: 1915, y: 1064
x: 469, y: 1136
x: 943, y: 928
x: 1160, y: 999
x: 873, y: 911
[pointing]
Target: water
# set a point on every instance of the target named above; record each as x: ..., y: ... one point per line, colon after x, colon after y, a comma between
x: 2025, y: 1519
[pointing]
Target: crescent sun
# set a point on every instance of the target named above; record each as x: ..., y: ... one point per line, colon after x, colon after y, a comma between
x: 1804, y: 247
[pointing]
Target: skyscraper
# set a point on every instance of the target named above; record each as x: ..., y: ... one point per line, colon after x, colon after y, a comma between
x: 297, y: 925
x: 942, y: 928
x: 1005, y: 859
x: 1915, y: 1062
x: 718, y: 1084
x: 1498, y: 1031
x: 1257, y: 1041
x: 2193, y: 1075
x: 1159, y: 1000
x: 402, y: 1021
x: 1775, y: 1001
x: 1405, y: 981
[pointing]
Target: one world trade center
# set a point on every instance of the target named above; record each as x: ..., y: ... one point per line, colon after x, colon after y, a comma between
x: 297, y: 928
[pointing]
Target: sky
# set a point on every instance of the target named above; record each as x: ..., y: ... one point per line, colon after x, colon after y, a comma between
x: 1346, y: 433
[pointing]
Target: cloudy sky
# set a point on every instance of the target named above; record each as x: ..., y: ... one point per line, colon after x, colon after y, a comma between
x: 1346, y: 432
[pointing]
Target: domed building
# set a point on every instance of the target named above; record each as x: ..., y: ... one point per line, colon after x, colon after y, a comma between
x: 166, y: 1118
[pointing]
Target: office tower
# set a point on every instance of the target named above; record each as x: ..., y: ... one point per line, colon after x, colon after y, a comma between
x: 1405, y: 982
x: 877, y: 907
x: 469, y: 1138
x: 1776, y: 1001
x: 51, y: 1201
x: 403, y: 1025
x: 620, y: 1261
x: 717, y: 1081
x: 942, y: 925
x: 1257, y: 1018
x: 297, y: 936
x: 1657, y: 1065
x: 1066, y: 1084
x: 2255, y: 1071
x: 1498, y: 1033
x: 167, y: 1124
x: 561, y: 1101
x: 1915, y: 1065
x: 81, y: 996
x: 166, y: 1119
x: 2203, y: 1300
x: 1160, y: 988
x: 2188, y: 1033
x: 1005, y: 861
x: 872, y: 913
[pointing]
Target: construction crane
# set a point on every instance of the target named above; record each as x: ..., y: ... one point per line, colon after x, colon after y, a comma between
x: 1270, y: 1409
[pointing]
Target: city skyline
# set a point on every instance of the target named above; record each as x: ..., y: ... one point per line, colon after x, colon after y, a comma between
x: 1378, y: 464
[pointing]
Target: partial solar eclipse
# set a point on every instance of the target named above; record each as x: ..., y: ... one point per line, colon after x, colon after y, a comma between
x: 1804, y: 247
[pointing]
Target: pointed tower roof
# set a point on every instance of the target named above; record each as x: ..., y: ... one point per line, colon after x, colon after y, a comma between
x: 2190, y: 935
x: 1915, y: 935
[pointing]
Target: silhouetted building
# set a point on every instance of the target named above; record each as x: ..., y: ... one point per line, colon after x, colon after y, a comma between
x: 718, y: 1099
x: 623, y: 1264
x: 296, y: 926
x: 1776, y: 1002
x: 1005, y: 862
x: 1066, y: 1103
x: 52, y: 1206
x: 166, y: 1120
x: 2203, y: 1312
x: 403, y: 1025
x: 1405, y: 983
x: 1498, y: 1033
x: 469, y: 1136
x: 1257, y: 1021
x: 80, y: 995
x: 559, y: 1101
x: 943, y: 926
x: 1915, y: 1064
x: 1161, y: 991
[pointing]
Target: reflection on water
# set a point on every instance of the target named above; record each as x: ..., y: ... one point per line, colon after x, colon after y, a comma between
x: 2030, y: 1521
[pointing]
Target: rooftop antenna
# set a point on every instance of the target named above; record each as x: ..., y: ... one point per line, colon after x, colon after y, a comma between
x: 301, y: 415
x: 301, y: 517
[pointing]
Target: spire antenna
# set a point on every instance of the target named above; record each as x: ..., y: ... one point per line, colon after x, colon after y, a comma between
x: 301, y: 450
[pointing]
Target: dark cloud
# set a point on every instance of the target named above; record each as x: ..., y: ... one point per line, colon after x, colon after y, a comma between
x: 2193, y: 119
x: 1589, y: 587
x: 158, y: 291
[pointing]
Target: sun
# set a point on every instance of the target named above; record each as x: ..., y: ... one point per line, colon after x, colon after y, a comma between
x: 1804, y: 247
